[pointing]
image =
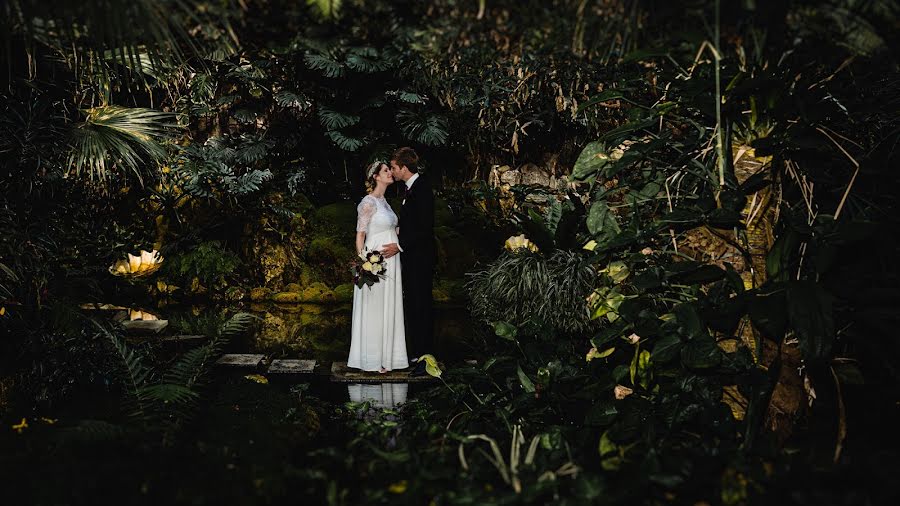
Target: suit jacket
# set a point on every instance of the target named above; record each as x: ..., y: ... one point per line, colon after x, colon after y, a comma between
x: 416, y: 222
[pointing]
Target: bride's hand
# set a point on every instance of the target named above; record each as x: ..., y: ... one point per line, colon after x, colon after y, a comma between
x: 389, y: 250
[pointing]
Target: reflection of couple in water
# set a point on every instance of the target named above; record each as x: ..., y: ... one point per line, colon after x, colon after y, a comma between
x: 383, y: 395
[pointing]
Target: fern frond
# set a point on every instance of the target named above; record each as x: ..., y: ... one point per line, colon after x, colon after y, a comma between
x: 237, y: 324
x: 135, y: 373
x: 168, y: 393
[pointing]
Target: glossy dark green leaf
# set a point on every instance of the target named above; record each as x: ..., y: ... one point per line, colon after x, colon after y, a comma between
x: 666, y: 348
x: 701, y: 354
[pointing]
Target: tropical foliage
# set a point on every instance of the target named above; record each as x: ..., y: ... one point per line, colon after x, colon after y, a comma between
x: 702, y: 313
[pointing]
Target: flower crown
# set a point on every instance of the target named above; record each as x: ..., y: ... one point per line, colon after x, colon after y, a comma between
x: 373, y: 167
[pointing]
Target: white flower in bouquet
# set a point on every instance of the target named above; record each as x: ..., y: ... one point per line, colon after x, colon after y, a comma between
x: 367, y: 266
x: 373, y: 258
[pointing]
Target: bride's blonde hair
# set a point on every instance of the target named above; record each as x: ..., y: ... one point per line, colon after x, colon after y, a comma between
x: 371, y: 171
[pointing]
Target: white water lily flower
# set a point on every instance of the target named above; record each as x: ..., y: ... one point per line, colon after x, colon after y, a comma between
x: 622, y: 392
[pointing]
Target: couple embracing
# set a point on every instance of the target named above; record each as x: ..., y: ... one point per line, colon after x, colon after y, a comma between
x: 397, y: 310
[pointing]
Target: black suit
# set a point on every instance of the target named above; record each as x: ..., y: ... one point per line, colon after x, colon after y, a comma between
x: 417, y: 261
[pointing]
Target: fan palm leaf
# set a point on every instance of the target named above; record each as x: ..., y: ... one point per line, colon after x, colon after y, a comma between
x: 113, y: 137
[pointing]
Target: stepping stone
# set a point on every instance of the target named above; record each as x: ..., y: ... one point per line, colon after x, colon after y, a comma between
x: 289, y: 366
x: 240, y: 360
x: 340, y: 373
x: 188, y: 339
x: 138, y: 327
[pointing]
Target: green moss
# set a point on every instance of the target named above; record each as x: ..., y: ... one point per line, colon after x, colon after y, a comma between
x: 340, y: 217
x: 317, y: 293
x: 344, y: 292
x: 287, y: 297
x: 293, y: 287
x: 260, y: 293
x: 330, y: 258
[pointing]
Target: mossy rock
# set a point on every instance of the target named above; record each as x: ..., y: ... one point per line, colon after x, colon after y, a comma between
x: 344, y: 292
x: 235, y: 293
x: 317, y: 293
x: 330, y: 258
x: 308, y: 276
x: 293, y: 287
x: 340, y: 216
x: 260, y: 293
x: 287, y: 297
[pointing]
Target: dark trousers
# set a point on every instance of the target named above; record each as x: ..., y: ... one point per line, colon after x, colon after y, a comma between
x: 417, y: 306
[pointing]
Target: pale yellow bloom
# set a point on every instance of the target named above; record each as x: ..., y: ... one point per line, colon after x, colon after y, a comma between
x: 622, y: 392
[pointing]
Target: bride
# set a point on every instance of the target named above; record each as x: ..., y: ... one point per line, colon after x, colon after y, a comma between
x: 378, y: 338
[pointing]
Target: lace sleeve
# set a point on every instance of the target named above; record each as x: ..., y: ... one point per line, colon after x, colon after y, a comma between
x: 364, y: 212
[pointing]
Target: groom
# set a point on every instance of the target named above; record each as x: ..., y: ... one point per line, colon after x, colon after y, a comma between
x: 416, y: 224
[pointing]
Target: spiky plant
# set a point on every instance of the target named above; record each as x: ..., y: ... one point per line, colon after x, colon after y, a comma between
x: 119, y: 138
x: 533, y: 291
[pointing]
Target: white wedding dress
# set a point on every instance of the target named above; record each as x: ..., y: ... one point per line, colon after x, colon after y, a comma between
x: 377, y: 336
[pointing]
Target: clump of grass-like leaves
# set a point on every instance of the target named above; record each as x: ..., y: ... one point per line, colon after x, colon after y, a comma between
x: 534, y: 291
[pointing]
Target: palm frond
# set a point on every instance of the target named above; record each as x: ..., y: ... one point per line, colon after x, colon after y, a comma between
x: 119, y: 137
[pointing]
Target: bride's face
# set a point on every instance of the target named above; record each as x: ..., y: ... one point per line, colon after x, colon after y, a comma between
x: 384, y: 175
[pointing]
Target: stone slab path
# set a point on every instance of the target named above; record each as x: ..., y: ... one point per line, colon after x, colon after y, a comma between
x: 340, y: 373
x: 291, y: 366
x: 240, y: 360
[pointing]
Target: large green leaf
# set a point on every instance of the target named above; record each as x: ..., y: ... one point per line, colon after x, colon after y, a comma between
x: 667, y: 348
x: 701, y: 354
x: 601, y: 221
x: 592, y: 158
x: 527, y: 385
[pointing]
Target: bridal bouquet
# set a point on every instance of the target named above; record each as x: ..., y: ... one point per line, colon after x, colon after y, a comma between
x: 369, y: 269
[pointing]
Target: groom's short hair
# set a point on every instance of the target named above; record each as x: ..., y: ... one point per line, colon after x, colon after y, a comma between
x: 407, y: 156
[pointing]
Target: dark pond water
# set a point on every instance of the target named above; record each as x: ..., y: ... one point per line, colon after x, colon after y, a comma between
x: 315, y: 331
